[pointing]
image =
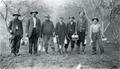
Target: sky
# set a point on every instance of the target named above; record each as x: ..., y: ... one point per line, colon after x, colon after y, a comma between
x: 55, y: 5
x: 1, y: 4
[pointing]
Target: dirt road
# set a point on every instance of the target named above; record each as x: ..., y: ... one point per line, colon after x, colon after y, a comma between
x: 109, y: 60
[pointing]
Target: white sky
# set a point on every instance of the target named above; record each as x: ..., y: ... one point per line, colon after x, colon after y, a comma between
x: 55, y: 6
x: 1, y: 4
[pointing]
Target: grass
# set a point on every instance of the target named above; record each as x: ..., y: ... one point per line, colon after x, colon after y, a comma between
x: 109, y: 60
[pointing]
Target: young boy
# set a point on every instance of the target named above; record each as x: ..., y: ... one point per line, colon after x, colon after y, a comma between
x: 95, y: 35
x: 60, y: 32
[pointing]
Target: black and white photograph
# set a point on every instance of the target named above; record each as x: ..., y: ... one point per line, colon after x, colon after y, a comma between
x: 59, y: 34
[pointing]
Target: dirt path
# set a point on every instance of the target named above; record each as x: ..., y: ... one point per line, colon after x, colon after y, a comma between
x: 109, y: 60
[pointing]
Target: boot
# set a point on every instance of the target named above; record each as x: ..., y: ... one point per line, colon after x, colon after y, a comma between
x: 71, y: 50
x: 66, y: 50
x: 101, y: 52
x: 62, y: 50
x: 94, y: 53
x: 46, y: 50
x: 59, y: 50
x: 78, y: 50
x: 13, y: 54
x: 53, y: 49
x: 83, y: 49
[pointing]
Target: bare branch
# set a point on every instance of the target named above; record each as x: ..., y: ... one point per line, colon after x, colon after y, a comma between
x: 6, y: 14
x: 4, y: 2
x: 2, y: 15
x: 106, y: 27
x: 6, y: 6
x: 19, y: 9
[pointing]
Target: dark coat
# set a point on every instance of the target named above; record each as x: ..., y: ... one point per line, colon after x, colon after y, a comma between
x: 82, y: 25
x: 13, y: 30
x: 70, y: 29
x: 61, y: 32
x: 47, y: 28
x: 29, y: 27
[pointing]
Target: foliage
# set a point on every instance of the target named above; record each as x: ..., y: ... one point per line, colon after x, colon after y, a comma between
x: 93, y: 8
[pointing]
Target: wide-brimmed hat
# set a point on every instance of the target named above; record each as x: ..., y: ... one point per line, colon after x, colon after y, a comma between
x: 47, y: 16
x: 34, y: 12
x: 95, y: 19
x: 16, y: 14
x: 71, y: 17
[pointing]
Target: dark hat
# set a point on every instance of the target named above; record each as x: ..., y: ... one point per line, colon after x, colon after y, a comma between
x: 47, y: 16
x: 72, y: 17
x: 16, y: 15
x: 95, y: 19
x: 34, y: 12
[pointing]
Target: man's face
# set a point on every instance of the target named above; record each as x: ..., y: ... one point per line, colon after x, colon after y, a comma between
x: 71, y: 19
x: 16, y: 17
x: 34, y: 14
x: 47, y: 18
x: 95, y: 22
x: 61, y: 20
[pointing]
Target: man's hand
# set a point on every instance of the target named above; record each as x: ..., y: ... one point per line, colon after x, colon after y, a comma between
x: 11, y: 32
x: 26, y: 34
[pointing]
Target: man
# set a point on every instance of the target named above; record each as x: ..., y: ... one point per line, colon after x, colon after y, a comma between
x: 70, y: 30
x: 16, y: 31
x: 60, y: 32
x: 96, y: 35
x: 47, y: 32
x: 82, y: 30
x: 33, y: 30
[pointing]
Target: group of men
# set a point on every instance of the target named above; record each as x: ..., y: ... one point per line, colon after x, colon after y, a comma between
x: 36, y: 30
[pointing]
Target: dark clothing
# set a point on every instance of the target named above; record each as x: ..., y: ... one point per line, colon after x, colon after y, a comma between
x: 47, y: 28
x: 29, y: 27
x: 15, y: 44
x: 33, y: 41
x: 61, y: 32
x: 70, y: 28
x: 70, y: 31
x: 47, y: 33
x: 96, y: 37
x: 81, y: 38
x: 33, y: 33
x: 82, y: 25
x: 16, y: 30
x: 13, y: 27
x: 48, y: 41
x: 82, y: 28
x: 72, y: 43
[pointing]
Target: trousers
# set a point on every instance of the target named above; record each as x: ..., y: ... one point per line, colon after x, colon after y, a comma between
x: 81, y: 39
x: 96, y: 38
x: 33, y: 42
x: 15, y: 44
